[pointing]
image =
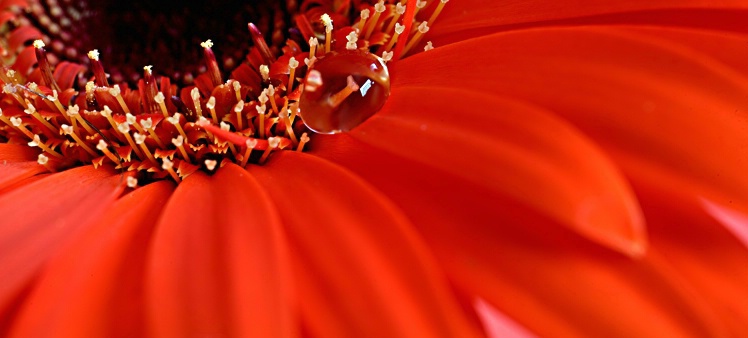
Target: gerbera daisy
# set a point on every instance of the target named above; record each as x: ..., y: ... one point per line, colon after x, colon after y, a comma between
x: 495, y: 169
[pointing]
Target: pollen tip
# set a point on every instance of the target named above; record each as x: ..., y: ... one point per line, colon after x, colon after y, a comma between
x: 94, y: 54
x: 38, y: 44
x: 178, y: 141
x: 132, y: 182
x: 66, y: 129
x: 210, y: 164
x: 207, y: 44
x: 101, y: 145
x: 167, y: 164
x: 292, y: 63
x: 251, y: 143
x: 42, y: 159
x: 139, y: 138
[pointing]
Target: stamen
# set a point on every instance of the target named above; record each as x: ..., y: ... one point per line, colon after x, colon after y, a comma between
x: 238, y: 108
x: 399, y: 10
x: 195, y: 95
x: 133, y: 121
x: 44, y: 66
x: 292, y: 64
x: 179, y: 143
x: 98, y: 69
x: 210, y: 164
x: 338, y: 98
x: 37, y: 142
x: 210, y: 61
x: 175, y: 121
x: 140, y: 140
x: 304, y: 140
x: 104, y: 148
x: 44, y: 160
x: 273, y: 143
x: 132, y: 182
x: 251, y: 143
x: 313, y: 48
x: 285, y: 117
x: 428, y: 47
x: 437, y: 11
x: 148, y: 126
x: 399, y: 29
x: 116, y: 92
x: 261, y: 117
x: 211, y: 105
x: 265, y: 72
x: 68, y: 130
x: 352, y: 41
x: 362, y: 23
x: 168, y: 165
x: 422, y: 29
x: 124, y: 128
x: 31, y: 110
x: 160, y: 99
x: 260, y: 44
x: 327, y: 21
x: 237, y: 89
x: 74, y: 113
x: 379, y: 8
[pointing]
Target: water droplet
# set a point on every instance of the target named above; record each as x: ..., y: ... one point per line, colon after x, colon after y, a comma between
x: 343, y: 90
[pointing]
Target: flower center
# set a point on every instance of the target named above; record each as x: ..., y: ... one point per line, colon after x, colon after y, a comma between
x: 153, y: 128
x: 130, y: 34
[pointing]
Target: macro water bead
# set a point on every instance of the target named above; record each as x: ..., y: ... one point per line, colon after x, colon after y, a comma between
x: 343, y: 90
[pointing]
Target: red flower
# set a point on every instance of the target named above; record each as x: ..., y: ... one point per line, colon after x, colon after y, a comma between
x: 546, y: 169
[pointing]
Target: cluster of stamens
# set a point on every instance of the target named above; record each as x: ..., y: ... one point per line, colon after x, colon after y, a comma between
x: 159, y: 130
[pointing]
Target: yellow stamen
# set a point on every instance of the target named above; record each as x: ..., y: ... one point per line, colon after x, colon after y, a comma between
x: 338, y: 98
x: 422, y: 29
x: 292, y: 64
x: 68, y: 130
x: 116, y: 92
x: 436, y: 12
x: 179, y: 143
x: 195, y: 95
x: 211, y: 104
x: 168, y: 165
x: 140, y: 140
x: 159, y: 98
x: 37, y: 142
x: 304, y: 140
x: 148, y: 125
x: 104, y: 148
x: 44, y: 160
x: 399, y: 29
x: 238, y: 110
x: 327, y: 21
x: 378, y: 10
x: 251, y: 143
x: 273, y: 143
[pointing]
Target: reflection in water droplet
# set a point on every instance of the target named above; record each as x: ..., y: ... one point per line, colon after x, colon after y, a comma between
x: 343, y: 90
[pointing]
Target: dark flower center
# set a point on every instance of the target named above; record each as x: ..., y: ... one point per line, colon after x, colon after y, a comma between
x: 162, y: 33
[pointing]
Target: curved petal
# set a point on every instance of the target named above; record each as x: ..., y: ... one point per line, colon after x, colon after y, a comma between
x: 94, y: 287
x: 516, y: 150
x: 545, y: 277
x: 19, y: 162
x: 678, y: 111
x: 41, y: 217
x: 686, y: 232
x: 218, y: 264
x: 362, y: 271
x: 473, y: 18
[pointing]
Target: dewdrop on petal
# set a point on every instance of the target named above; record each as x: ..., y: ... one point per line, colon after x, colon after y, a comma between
x: 343, y: 90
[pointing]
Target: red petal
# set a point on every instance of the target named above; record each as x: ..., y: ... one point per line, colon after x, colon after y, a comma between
x: 219, y: 264
x: 666, y: 106
x: 39, y: 218
x: 94, y: 288
x: 362, y: 270
x: 472, y: 18
x: 19, y: 162
x: 687, y: 233
x: 542, y: 275
x: 517, y: 150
